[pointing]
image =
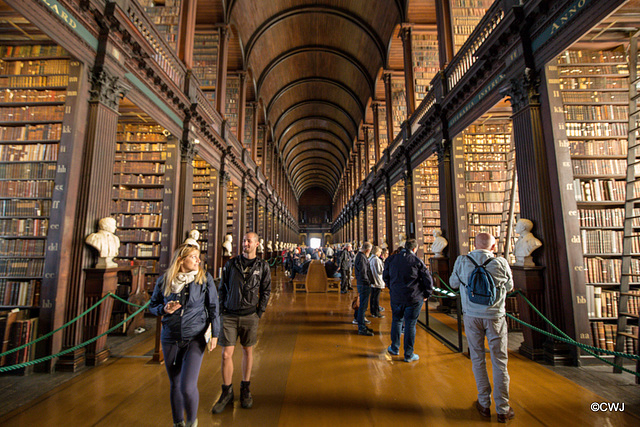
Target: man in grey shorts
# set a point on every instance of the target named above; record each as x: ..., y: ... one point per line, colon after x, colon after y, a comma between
x: 244, y: 291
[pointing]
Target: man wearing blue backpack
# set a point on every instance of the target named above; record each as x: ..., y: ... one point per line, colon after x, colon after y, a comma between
x: 484, y: 281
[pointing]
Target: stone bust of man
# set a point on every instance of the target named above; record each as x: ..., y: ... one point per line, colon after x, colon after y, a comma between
x: 192, y: 240
x: 227, y: 246
x: 269, y: 246
x: 105, y: 242
x: 439, y: 243
x: 526, y: 244
x: 260, y: 248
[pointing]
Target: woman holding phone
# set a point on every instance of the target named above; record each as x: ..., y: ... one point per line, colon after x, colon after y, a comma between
x: 187, y: 299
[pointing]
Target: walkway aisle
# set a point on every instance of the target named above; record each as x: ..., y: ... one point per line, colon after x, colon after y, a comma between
x: 312, y: 369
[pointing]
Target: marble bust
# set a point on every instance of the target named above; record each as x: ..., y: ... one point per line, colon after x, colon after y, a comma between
x: 105, y: 242
x: 269, y: 246
x: 227, y: 247
x: 403, y: 240
x: 260, y: 248
x: 526, y: 244
x: 439, y: 243
x: 192, y: 240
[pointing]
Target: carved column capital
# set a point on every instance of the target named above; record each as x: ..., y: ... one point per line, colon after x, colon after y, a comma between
x: 188, y: 150
x: 443, y: 149
x: 106, y: 88
x: 405, y: 33
x: 524, y: 91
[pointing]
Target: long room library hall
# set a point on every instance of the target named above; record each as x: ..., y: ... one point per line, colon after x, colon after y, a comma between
x: 255, y: 142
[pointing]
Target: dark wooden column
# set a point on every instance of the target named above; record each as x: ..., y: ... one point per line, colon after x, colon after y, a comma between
x: 448, y: 220
x: 184, y: 210
x: 94, y: 191
x: 254, y: 134
x: 263, y: 165
x: 223, y: 182
x: 388, y: 213
x: 409, y: 197
x: 187, y: 32
x: 359, y: 145
x: 223, y: 58
x: 242, y: 104
x: 409, y: 81
x: 365, y: 228
x: 542, y: 203
x: 367, y: 145
x: 388, y: 100
x: 375, y: 232
x: 214, y: 214
x: 256, y: 206
x: 242, y: 226
x: 445, y: 32
x: 376, y: 129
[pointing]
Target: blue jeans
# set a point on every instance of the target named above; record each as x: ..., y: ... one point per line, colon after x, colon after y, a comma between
x: 363, y: 292
x: 409, y: 315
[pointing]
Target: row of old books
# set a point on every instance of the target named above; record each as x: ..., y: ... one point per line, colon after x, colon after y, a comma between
x: 27, y: 51
x: 26, y: 189
x: 613, y: 217
x: 16, y: 329
x: 139, y: 234
x: 24, y: 226
x: 602, y: 302
x: 599, y: 166
x: 22, y: 247
x: 34, y: 81
x: 142, y: 220
x: 598, y: 190
x: 138, y: 167
x: 135, y: 206
x: 605, y: 242
x: 37, y: 132
x: 28, y: 170
x: 602, y: 270
x: 21, y: 267
x: 24, y: 293
x: 604, y: 337
x: 130, y: 250
x: 596, y: 112
x: 150, y: 155
x: 593, y: 96
x: 596, y: 129
x: 29, y: 153
x: 35, y: 67
x: 33, y: 96
x: 122, y: 179
x: 591, y: 69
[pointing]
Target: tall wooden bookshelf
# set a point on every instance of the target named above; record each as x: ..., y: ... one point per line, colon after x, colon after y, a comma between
x: 382, y: 126
x: 382, y: 220
x: 144, y: 173
x: 165, y: 14
x: 371, y: 149
x: 38, y: 91
x: 399, y: 102
x: 232, y: 103
x: 202, y: 205
x: 370, y: 231
x: 426, y: 64
x: 260, y: 228
x: 465, y: 16
x: 232, y: 222
x: 398, y: 219
x: 205, y: 61
x: 259, y: 148
x: 248, y: 127
x: 250, y: 215
x: 427, y: 205
x: 592, y: 88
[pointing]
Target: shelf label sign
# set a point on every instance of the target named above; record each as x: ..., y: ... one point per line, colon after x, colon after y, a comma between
x: 68, y: 19
x: 564, y: 18
x: 476, y: 99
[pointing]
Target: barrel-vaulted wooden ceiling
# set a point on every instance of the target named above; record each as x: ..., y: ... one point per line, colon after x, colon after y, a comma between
x: 315, y: 66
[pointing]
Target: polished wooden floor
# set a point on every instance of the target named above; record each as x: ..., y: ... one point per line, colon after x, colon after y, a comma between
x: 312, y: 369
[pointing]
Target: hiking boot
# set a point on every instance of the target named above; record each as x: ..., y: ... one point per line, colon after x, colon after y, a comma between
x: 225, y: 397
x: 193, y: 423
x: 246, y: 400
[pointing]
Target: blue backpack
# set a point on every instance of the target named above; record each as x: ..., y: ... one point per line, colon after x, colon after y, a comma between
x: 481, y: 287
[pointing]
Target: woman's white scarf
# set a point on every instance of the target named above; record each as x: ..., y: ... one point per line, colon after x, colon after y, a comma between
x: 181, y: 281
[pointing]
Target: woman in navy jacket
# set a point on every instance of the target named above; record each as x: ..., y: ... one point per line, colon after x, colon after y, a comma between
x: 187, y: 299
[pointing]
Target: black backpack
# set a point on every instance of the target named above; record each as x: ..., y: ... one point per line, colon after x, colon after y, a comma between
x: 481, y: 286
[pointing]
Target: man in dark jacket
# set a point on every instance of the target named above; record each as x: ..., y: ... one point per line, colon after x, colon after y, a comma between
x: 345, y: 264
x: 363, y: 280
x: 244, y: 292
x: 410, y: 285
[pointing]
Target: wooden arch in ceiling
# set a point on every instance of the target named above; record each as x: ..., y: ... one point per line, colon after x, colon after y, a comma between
x: 314, y: 68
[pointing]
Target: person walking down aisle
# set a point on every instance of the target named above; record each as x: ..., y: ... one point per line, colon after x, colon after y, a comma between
x: 244, y: 292
x: 484, y: 317
x: 186, y: 298
x: 410, y: 285
x: 364, y: 278
x: 377, y: 266
x: 345, y: 263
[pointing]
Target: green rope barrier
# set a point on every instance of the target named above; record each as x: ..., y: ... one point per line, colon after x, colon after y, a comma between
x: 75, y: 319
x: 69, y: 350
x: 564, y: 338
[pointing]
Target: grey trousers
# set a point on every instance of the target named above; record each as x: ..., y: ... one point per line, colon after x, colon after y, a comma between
x: 496, y: 332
